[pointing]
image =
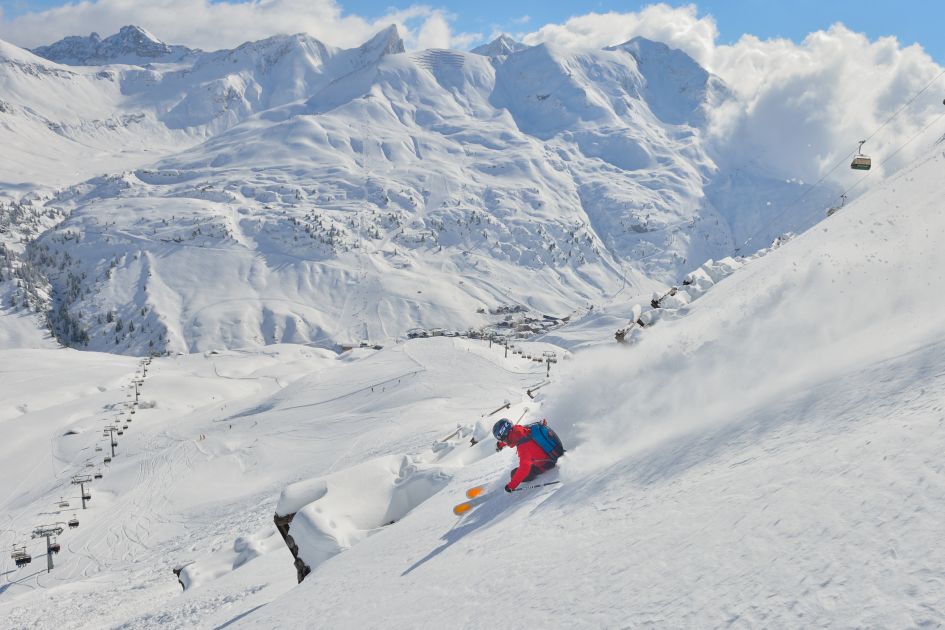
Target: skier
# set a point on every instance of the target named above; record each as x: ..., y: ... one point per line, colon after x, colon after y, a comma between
x: 538, y: 448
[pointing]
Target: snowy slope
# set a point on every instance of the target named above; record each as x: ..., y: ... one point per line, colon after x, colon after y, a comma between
x: 772, y: 459
x: 201, y: 465
x: 769, y: 457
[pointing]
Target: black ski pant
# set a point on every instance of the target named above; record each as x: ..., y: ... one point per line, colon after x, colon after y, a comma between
x: 538, y: 466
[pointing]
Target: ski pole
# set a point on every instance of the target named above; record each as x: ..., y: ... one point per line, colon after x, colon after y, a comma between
x: 537, y: 485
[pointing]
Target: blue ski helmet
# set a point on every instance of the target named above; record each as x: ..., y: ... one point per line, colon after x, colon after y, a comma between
x: 501, y: 429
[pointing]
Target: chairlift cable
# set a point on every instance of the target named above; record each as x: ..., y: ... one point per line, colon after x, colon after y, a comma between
x: 901, y: 147
x: 905, y: 105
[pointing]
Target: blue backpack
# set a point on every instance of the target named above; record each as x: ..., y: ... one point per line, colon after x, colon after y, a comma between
x: 547, y: 439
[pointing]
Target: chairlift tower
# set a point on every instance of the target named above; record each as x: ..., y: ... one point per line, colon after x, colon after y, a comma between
x: 81, y: 480
x: 110, y: 431
x: 550, y: 357
x: 47, y: 532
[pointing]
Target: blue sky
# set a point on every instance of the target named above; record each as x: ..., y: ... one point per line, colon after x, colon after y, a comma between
x: 910, y: 21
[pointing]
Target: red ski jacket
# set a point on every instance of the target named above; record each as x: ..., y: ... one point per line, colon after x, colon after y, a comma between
x: 529, y: 455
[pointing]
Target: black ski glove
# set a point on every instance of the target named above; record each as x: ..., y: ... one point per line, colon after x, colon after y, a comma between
x: 507, y: 488
x: 498, y: 446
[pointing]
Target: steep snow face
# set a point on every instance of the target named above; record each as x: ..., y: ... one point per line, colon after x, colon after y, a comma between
x: 130, y: 45
x: 677, y: 89
x: 226, y: 87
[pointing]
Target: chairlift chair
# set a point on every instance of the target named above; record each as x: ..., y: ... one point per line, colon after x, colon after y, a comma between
x: 87, y: 496
x: 98, y: 474
x: 107, y: 460
x: 120, y: 432
x: 860, y: 161
x: 54, y: 546
x: 834, y: 209
x: 20, y: 556
x: 73, y: 522
x: 63, y: 503
x: 98, y: 449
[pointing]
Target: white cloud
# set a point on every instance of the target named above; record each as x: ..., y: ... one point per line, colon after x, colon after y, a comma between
x: 436, y: 32
x: 800, y: 106
x: 678, y: 27
x: 213, y: 25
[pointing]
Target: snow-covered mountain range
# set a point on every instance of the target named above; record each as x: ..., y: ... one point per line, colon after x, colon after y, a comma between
x: 763, y: 449
x: 288, y: 191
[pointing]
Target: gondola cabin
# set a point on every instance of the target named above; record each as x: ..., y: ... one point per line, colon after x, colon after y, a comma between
x: 860, y: 161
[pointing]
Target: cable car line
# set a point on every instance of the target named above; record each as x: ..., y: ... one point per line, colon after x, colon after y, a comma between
x: 855, y: 154
x: 901, y: 147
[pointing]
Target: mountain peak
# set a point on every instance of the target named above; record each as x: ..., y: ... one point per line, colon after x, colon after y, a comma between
x: 135, y: 35
x: 678, y: 89
x: 131, y: 44
x: 386, y: 42
x: 501, y: 46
